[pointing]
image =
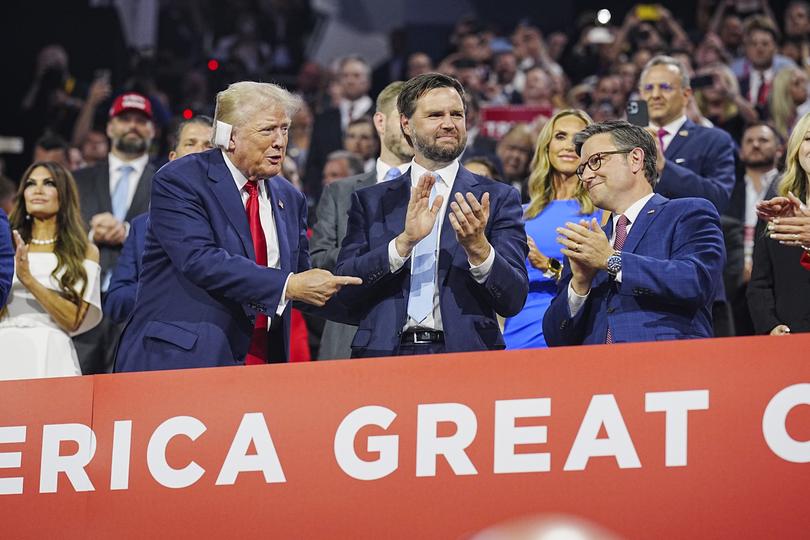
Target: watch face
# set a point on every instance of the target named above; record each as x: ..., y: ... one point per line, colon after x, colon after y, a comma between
x: 614, y: 264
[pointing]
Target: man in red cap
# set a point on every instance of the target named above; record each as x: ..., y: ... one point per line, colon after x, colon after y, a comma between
x: 112, y: 192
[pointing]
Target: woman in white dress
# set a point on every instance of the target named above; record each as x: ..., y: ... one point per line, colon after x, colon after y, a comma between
x: 56, y: 292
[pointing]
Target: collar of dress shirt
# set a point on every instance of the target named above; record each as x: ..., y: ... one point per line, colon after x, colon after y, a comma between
x: 674, y: 126
x: 767, y: 180
x: 632, y: 211
x: 239, y: 179
x: 362, y: 103
x: 137, y: 164
x: 447, y: 173
x: 383, y: 168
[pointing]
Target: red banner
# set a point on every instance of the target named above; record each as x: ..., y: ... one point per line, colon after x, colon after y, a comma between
x: 692, y: 439
x: 497, y: 120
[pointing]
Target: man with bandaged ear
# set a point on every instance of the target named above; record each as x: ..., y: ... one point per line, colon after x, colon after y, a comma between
x: 226, y: 249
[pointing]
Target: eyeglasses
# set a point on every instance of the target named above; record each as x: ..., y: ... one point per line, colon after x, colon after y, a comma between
x: 595, y: 161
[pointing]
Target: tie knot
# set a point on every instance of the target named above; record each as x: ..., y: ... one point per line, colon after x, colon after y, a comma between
x: 392, y: 173
x: 623, y: 221
x: 252, y: 188
x: 662, y: 132
x: 126, y: 169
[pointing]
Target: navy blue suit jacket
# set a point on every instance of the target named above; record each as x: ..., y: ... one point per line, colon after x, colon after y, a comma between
x: 200, y: 289
x: 699, y: 163
x: 672, y: 261
x: 6, y: 259
x: 468, y: 309
x: 120, y: 298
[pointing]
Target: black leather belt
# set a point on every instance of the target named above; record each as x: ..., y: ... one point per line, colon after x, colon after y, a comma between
x: 423, y: 336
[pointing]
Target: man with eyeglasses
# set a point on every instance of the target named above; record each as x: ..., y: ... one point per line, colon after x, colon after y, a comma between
x: 693, y: 160
x: 652, y: 273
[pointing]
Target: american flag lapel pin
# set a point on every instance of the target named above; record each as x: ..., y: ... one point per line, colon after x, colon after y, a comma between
x: 281, y: 204
x: 683, y: 133
x: 651, y: 211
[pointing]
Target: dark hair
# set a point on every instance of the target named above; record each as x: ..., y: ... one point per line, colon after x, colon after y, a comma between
x: 488, y: 163
x: 625, y: 136
x: 7, y: 187
x: 52, y: 141
x: 415, y: 88
x: 199, y: 119
x: 760, y: 23
x: 762, y: 123
x: 71, y: 237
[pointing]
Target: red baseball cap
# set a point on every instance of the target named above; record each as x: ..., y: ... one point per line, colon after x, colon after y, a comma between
x: 131, y: 101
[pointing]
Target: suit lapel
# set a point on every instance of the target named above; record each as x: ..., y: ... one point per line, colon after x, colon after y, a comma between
x: 225, y: 191
x: 647, y: 215
x: 102, y: 182
x: 395, y: 202
x: 140, y: 200
x: 679, y: 140
x: 365, y: 181
x: 280, y: 217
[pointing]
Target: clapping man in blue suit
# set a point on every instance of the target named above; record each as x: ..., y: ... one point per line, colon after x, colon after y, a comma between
x: 652, y: 273
x: 226, y: 248
x: 440, y: 250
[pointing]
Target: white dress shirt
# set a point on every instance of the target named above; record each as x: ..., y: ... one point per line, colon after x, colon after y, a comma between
x: 479, y: 273
x: 752, y: 197
x: 115, y: 165
x: 575, y: 301
x: 359, y: 107
x: 268, y: 223
x: 382, y: 169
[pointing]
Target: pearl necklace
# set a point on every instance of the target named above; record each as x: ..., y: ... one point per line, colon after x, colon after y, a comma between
x: 47, y: 242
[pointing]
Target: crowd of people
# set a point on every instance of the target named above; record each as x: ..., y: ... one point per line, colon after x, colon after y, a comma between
x: 375, y: 212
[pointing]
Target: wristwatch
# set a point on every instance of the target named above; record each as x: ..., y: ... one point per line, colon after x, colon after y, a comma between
x: 614, y: 263
x: 554, y: 269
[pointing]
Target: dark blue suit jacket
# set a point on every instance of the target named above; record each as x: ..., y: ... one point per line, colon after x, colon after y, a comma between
x: 672, y: 261
x: 699, y: 163
x: 200, y: 289
x: 468, y: 308
x: 120, y: 298
x: 6, y: 259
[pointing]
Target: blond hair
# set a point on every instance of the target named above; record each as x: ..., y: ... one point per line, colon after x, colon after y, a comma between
x: 237, y: 103
x: 795, y: 178
x: 541, y: 181
x: 780, y: 102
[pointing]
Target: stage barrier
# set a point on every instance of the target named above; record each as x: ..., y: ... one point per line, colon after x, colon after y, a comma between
x: 698, y: 439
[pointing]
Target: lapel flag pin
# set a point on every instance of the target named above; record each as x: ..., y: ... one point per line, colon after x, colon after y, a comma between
x: 281, y: 204
x: 650, y: 211
x: 683, y: 133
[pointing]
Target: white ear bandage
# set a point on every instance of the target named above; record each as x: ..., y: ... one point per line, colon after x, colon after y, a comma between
x: 223, y: 135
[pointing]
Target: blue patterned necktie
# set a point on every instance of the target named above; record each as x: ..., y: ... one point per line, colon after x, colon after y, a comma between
x: 392, y: 173
x: 120, y: 196
x: 423, y: 272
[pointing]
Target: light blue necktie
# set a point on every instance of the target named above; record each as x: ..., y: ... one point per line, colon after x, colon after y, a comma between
x: 120, y: 196
x: 392, y: 173
x: 423, y: 272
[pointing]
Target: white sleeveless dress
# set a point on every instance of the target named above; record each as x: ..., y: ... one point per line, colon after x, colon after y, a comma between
x: 32, y: 345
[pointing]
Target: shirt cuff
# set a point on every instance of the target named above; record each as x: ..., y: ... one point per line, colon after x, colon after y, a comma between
x: 481, y: 272
x: 282, y: 305
x: 575, y: 301
x: 395, y: 262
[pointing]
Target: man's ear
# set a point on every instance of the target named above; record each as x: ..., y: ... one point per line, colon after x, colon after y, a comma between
x: 405, y: 124
x: 379, y: 123
x: 172, y: 155
x: 637, y: 160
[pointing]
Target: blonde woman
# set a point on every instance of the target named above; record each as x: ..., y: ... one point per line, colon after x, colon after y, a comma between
x: 56, y: 292
x: 779, y: 291
x: 556, y: 196
x: 788, y: 94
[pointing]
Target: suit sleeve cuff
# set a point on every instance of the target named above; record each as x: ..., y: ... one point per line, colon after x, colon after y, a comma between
x: 282, y: 305
x: 575, y: 301
x: 395, y: 262
x: 481, y: 272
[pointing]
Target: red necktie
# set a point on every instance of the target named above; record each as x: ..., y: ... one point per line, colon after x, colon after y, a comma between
x: 257, y: 354
x: 661, y: 134
x: 764, y: 88
x: 618, y: 244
